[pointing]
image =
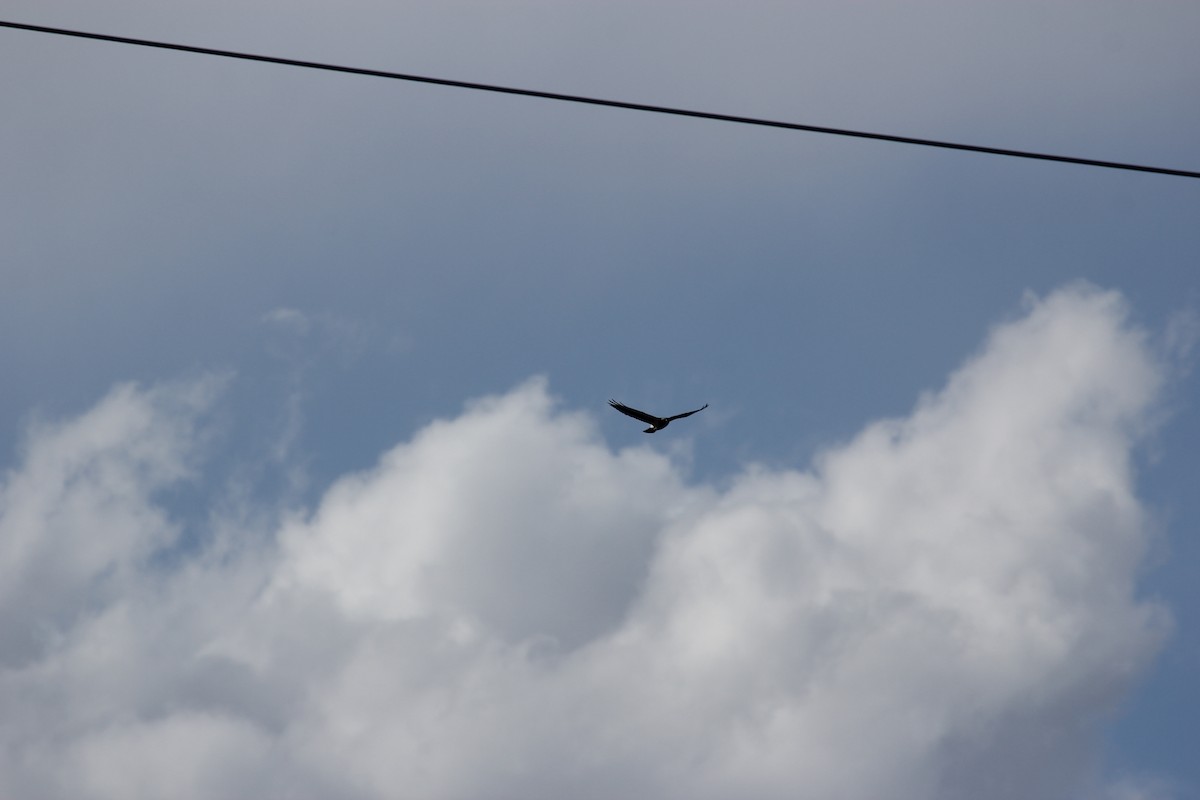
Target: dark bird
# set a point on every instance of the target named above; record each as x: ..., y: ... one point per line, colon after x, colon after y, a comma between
x: 655, y: 423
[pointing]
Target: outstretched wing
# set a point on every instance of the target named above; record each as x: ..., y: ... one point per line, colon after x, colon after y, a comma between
x: 649, y: 419
x: 687, y: 413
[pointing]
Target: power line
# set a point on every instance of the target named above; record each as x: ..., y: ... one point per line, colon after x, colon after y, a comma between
x: 595, y: 101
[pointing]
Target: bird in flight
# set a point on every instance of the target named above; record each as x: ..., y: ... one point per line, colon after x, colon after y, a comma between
x: 655, y: 423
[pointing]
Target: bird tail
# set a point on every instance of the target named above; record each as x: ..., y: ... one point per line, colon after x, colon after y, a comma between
x: 650, y: 430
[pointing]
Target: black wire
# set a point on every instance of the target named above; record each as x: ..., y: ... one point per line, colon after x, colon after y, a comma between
x: 571, y: 98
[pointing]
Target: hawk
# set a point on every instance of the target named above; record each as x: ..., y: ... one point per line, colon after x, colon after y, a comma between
x: 655, y: 423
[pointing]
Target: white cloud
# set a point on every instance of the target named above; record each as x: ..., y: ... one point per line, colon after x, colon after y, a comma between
x: 289, y: 319
x: 504, y: 606
x: 78, y: 520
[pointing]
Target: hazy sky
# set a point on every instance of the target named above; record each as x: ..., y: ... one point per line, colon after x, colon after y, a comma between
x: 311, y: 488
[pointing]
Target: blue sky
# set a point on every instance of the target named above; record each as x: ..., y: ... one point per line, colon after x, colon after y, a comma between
x: 311, y: 280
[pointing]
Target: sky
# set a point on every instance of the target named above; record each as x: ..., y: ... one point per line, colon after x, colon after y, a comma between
x: 310, y: 488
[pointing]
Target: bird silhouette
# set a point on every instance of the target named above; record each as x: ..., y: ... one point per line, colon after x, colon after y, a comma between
x: 655, y: 423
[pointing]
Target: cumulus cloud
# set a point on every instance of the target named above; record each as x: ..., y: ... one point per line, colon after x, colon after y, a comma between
x: 78, y: 520
x: 505, y: 606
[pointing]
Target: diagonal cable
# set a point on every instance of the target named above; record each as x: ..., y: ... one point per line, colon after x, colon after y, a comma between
x: 595, y: 101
